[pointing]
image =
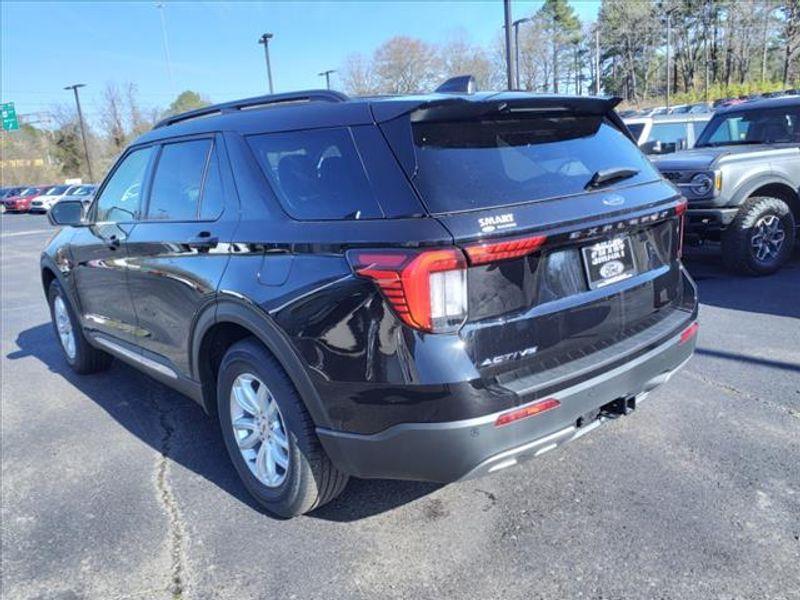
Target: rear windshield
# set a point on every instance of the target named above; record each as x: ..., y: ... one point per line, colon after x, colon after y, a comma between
x: 317, y: 174
x: 465, y: 165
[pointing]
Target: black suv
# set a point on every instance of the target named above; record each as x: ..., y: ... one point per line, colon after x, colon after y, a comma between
x: 429, y: 288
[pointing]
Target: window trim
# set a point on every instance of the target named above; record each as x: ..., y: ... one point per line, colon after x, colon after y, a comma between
x: 213, y: 137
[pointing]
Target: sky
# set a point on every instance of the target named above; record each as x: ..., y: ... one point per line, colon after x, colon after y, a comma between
x: 213, y: 45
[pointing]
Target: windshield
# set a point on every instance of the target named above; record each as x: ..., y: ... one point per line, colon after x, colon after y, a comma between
x: 636, y: 129
x: 29, y: 192
x: 466, y: 165
x: 56, y: 190
x: 773, y: 126
x: 83, y: 191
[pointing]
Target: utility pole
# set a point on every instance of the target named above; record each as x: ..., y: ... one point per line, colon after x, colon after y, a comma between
x: 669, y: 41
x: 160, y: 7
x: 510, y: 71
x: 327, y: 76
x: 597, y: 59
x: 516, y: 25
x: 74, y: 88
x: 264, y: 39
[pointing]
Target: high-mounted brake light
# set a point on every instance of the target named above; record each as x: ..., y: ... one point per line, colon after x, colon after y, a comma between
x: 480, y: 254
x: 427, y: 289
x: 527, y: 411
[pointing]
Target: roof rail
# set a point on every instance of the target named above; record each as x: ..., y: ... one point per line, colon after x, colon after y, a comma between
x: 236, y: 105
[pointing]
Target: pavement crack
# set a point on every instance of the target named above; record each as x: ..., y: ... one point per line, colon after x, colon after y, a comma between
x: 176, y: 531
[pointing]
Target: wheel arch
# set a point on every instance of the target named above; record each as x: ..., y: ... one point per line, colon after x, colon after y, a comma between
x: 229, y: 321
x: 773, y: 187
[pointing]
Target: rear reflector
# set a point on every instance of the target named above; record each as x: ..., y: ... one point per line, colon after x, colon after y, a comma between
x: 689, y: 332
x: 681, y: 207
x: 481, y: 254
x: 527, y: 411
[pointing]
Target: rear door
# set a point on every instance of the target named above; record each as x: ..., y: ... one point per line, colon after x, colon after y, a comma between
x: 179, y: 249
x: 561, y: 267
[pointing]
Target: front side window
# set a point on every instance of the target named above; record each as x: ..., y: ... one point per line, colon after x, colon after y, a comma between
x: 316, y: 174
x: 119, y: 201
x: 773, y: 126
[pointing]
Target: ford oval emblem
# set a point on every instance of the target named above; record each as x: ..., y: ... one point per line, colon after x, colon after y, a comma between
x: 611, y: 269
x: 613, y: 200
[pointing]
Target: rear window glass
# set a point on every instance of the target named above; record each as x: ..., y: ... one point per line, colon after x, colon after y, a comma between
x: 317, y: 174
x: 636, y: 129
x: 465, y: 165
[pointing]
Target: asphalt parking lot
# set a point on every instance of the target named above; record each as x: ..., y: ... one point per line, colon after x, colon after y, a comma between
x: 113, y: 486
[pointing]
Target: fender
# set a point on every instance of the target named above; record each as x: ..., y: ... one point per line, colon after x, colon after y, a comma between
x: 241, y: 312
x: 747, y: 188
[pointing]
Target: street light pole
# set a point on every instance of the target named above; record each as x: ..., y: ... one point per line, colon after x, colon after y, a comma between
x: 597, y: 59
x: 510, y: 71
x: 516, y: 25
x: 327, y: 76
x: 669, y: 42
x: 160, y: 7
x: 74, y: 88
x: 264, y: 39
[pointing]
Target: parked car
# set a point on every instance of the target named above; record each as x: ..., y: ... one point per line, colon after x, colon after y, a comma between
x: 84, y: 193
x: 662, y: 135
x: 700, y: 108
x: 22, y: 201
x: 51, y: 195
x: 414, y: 287
x: 11, y: 191
x: 742, y: 181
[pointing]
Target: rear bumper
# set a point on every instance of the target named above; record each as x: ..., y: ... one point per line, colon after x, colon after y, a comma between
x: 445, y: 452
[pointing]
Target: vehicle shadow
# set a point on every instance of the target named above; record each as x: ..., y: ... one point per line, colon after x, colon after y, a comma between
x: 178, y: 428
x: 773, y: 294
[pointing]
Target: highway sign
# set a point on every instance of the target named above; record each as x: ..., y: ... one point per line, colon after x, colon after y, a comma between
x: 10, y: 121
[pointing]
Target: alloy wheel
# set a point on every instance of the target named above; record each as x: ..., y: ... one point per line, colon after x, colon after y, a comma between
x: 64, y: 327
x: 767, y: 238
x: 259, y: 430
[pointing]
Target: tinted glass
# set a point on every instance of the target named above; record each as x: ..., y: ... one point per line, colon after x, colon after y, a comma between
x: 776, y: 125
x: 56, y: 190
x: 177, y: 184
x: 120, y: 198
x: 636, y: 129
x: 465, y: 165
x: 316, y: 174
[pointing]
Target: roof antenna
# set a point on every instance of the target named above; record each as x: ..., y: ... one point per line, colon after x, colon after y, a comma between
x: 462, y: 84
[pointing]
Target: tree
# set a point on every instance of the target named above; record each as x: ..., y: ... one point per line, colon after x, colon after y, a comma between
x: 791, y: 40
x: 186, y: 101
x: 460, y: 57
x: 112, y: 117
x: 357, y: 76
x: 562, y: 26
x: 405, y: 65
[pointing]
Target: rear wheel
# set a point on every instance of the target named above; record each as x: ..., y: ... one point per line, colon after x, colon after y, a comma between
x: 270, y: 436
x: 761, y: 237
x: 79, y: 354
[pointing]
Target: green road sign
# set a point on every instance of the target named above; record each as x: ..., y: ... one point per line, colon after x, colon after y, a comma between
x: 10, y: 122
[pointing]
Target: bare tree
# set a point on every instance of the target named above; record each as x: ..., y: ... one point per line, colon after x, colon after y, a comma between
x: 459, y: 56
x: 112, y: 117
x: 406, y: 65
x: 357, y: 76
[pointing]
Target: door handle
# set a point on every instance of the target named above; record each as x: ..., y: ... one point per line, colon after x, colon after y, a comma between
x: 203, y: 241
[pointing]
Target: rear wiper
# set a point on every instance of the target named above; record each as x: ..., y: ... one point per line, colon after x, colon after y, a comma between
x: 608, y: 175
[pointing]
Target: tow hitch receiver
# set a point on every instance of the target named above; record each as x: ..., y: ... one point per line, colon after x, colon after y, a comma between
x: 619, y: 407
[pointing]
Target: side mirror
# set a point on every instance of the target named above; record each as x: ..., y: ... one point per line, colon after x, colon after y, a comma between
x: 653, y: 147
x: 66, y: 213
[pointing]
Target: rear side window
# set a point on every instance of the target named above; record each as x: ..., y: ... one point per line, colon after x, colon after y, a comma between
x: 187, y: 185
x: 316, y: 174
x: 466, y: 165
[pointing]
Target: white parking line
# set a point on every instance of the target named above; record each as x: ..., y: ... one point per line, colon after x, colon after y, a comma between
x: 30, y: 232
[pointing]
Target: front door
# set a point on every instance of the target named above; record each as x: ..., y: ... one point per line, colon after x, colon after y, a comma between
x: 100, y: 251
x: 178, y: 250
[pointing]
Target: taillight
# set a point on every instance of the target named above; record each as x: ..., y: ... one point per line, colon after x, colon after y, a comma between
x: 427, y: 289
x: 480, y: 254
x: 529, y: 410
x: 680, y: 211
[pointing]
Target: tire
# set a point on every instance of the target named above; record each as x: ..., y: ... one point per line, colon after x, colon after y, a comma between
x: 759, y: 219
x: 310, y: 479
x: 84, y: 358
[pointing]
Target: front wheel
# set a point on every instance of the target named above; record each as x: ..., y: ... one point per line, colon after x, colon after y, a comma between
x: 761, y: 237
x: 270, y: 436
